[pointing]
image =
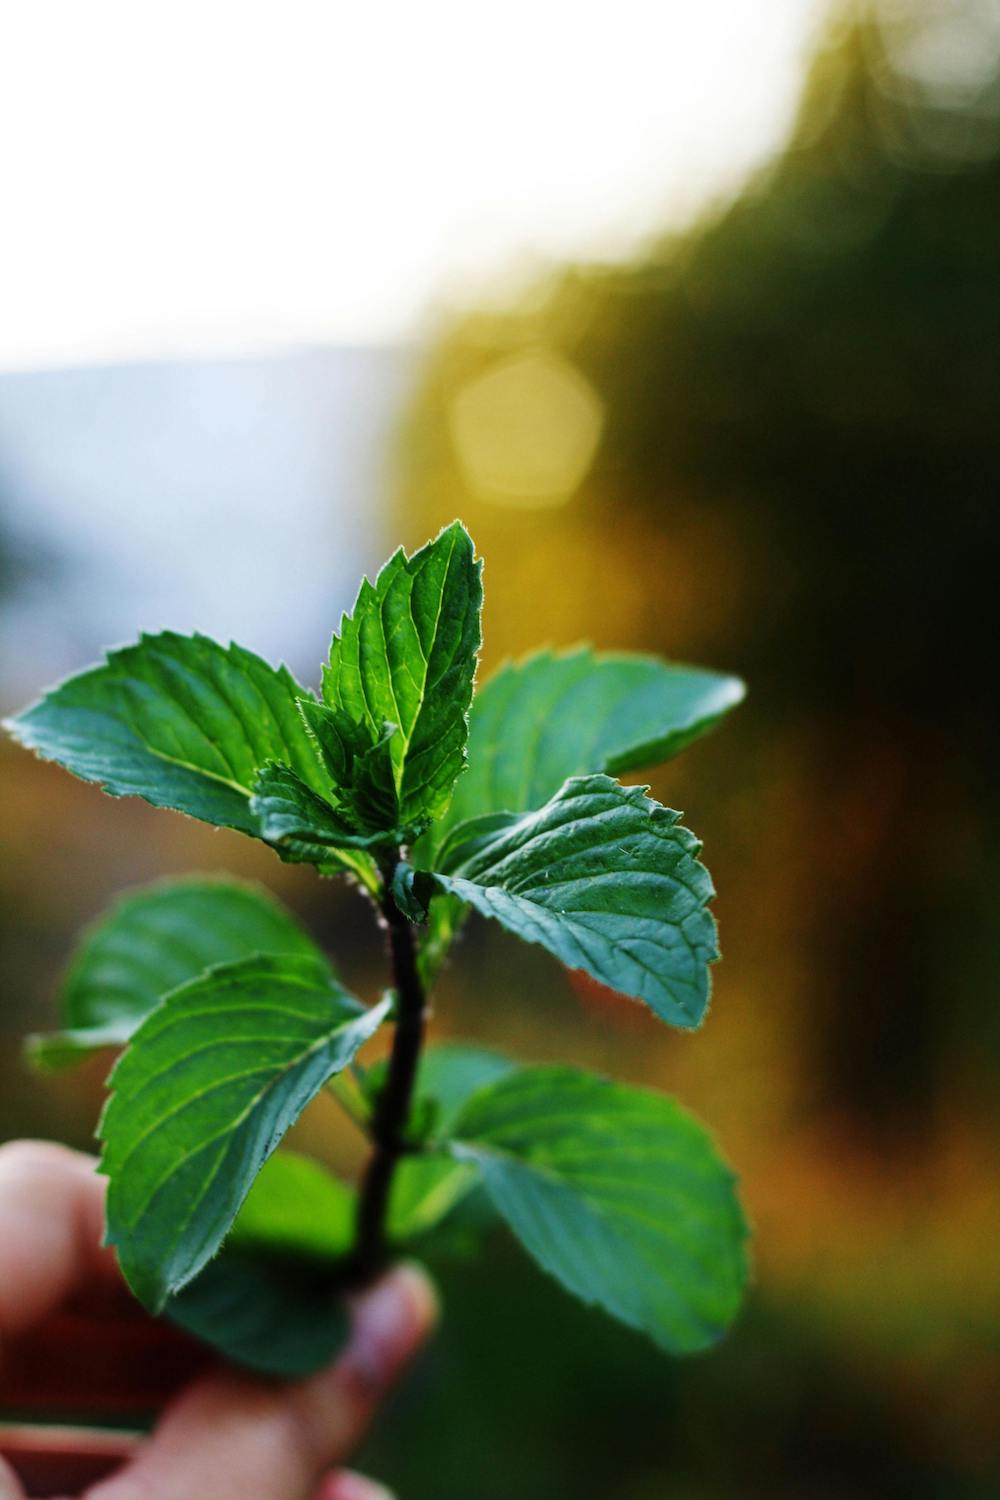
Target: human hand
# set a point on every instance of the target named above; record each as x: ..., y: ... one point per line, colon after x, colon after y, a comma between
x: 226, y: 1435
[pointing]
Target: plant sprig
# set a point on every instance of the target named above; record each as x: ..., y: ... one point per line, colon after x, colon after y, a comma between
x: 436, y: 802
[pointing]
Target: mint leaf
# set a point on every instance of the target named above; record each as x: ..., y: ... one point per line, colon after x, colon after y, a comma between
x: 537, y: 722
x: 618, y: 1193
x: 187, y: 724
x: 177, y: 720
x: 401, y: 672
x: 209, y: 1084
x: 151, y: 941
x: 302, y: 827
x: 270, y: 1300
x: 607, y: 880
x: 296, y: 1207
x: 360, y: 764
x: 405, y: 894
x: 450, y: 1074
x: 426, y: 1188
x: 55, y: 1051
x: 274, y: 1316
x: 424, y: 1191
x: 290, y: 815
x: 553, y: 715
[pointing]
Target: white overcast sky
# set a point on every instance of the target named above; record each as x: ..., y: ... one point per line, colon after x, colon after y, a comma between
x: 183, y: 178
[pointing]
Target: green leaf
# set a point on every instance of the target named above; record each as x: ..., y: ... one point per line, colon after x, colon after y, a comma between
x: 274, y: 1316
x: 269, y: 1301
x: 537, y: 722
x: 210, y: 1082
x: 151, y: 941
x: 360, y: 764
x: 424, y: 1191
x: 451, y: 1073
x: 405, y: 893
x: 618, y: 1193
x: 405, y: 660
x: 448, y: 1074
x: 607, y: 880
x: 297, y: 1207
x: 55, y: 1051
x: 302, y: 827
x: 177, y: 720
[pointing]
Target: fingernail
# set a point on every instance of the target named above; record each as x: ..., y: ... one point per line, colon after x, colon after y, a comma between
x: 346, y: 1485
x: 392, y: 1320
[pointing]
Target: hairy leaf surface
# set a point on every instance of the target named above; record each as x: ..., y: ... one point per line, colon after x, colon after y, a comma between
x: 618, y: 1193
x: 406, y: 657
x: 608, y: 881
x: 151, y: 941
x: 210, y: 1082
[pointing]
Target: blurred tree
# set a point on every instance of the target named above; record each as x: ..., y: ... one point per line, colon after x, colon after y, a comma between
x: 800, y: 419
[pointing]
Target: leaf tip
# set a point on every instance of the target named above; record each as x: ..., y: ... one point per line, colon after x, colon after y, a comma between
x: 456, y: 529
x: 737, y: 689
x: 14, y: 725
x: 36, y: 1052
x: 153, y: 1291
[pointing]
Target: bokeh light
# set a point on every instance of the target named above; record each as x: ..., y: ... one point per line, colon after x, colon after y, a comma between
x: 526, y: 431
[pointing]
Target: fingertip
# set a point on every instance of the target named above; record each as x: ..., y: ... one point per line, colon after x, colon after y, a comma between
x: 392, y: 1319
x: 345, y: 1484
x: 28, y: 1158
x: 52, y: 1208
x: 415, y: 1287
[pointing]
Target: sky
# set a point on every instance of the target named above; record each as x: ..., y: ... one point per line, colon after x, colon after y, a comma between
x: 241, y: 497
x: 182, y: 179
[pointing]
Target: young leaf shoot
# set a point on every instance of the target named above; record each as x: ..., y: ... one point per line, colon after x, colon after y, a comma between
x: 436, y: 800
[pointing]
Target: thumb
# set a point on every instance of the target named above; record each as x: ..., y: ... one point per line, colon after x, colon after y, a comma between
x: 390, y: 1322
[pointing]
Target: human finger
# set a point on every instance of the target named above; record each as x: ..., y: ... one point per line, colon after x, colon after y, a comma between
x: 347, y: 1484
x: 238, y: 1438
x: 51, y: 1227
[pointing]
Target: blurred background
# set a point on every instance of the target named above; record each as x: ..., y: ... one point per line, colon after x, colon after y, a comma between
x: 692, y: 313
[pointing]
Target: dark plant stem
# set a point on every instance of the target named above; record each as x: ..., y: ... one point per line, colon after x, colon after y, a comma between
x: 392, y: 1109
